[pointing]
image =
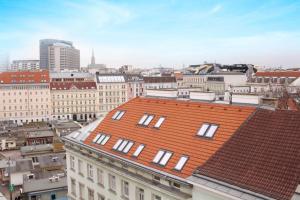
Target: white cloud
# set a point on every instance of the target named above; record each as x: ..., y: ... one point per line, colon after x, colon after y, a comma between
x: 217, y: 8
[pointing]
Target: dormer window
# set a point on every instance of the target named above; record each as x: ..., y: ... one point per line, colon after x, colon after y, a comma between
x: 118, y: 115
x: 162, y: 157
x: 181, y: 163
x: 138, y: 150
x: 159, y: 122
x: 123, y: 145
x: 146, y: 119
x: 207, y: 130
x: 101, y: 139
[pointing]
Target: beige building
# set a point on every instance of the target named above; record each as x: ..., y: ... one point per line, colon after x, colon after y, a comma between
x: 63, y: 57
x: 74, y: 100
x: 112, y: 90
x: 25, y: 96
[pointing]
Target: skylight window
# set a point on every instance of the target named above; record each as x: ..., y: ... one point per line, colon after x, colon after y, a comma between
x: 162, y: 157
x: 159, y: 122
x: 123, y: 145
x: 96, y: 138
x: 101, y: 139
x: 118, y: 115
x: 128, y: 147
x: 207, y: 130
x: 138, y: 150
x: 146, y: 119
x: 117, y: 144
x: 181, y: 163
x: 142, y: 120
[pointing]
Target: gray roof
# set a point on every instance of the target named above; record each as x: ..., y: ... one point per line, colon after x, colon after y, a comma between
x: 35, y: 134
x: 54, y: 160
x: 22, y: 165
x: 71, y: 75
x: 44, y: 184
x: 36, y: 148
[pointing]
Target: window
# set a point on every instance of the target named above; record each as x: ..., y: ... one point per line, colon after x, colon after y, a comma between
x: 101, y: 139
x: 146, y: 119
x: 100, y: 179
x: 123, y: 145
x: 112, y: 182
x: 117, y: 144
x: 162, y: 157
x: 156, y: 197
x: 90, y: 171
x: 73, y: 187
x: 80, y: 167
x: 90, y: 194
x: 207, y: 130
x: 81, y: 191
x: 125, y: 189
x: 100, y: 197
x: 72, y: 162
x: 140, y: 194
x: 118, y: 115
x: 142, y: 120
x: 138, y: 150
x: 159, y: 122
x: 181, y: 163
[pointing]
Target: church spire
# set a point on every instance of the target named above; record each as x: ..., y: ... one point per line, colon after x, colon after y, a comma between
x: 93, y: 58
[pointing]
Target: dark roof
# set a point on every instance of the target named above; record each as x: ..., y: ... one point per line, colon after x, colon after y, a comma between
x: 162, y: 79
x: 262, y: 156
x: 70, y: 85
x: 176, y: 134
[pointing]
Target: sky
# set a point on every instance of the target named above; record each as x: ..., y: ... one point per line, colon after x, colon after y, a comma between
x: 150, y: 33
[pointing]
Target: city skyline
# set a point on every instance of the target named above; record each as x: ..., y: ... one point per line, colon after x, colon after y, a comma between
x: 149, y: 34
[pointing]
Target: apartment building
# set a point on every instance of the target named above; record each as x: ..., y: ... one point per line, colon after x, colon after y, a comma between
x: 18, y: 65
x: 106, y: 163
x: 160, y: 82
x: 74, y: 100
x: 71, y: 77
x: 135, y: 85
x: 25, y: 96
x: 183, y: 151
x: 275, y: 82
x: 112, y: 91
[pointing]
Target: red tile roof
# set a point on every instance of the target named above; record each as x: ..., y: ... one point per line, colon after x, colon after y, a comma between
x: 69, y: 85
x: 262, y: 156
x: 177, y: 133
x: 279, y: 74
x: 24, y: 77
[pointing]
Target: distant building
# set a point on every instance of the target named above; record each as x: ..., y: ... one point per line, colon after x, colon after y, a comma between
x: 135, y: 85
x: 162, y: 82
x: 74, y: 100
x: 112, y: 90
x: 25, y: 96
x: 57, y: 55
x: 71, y: 77
x: 4, y: 61
x: 126, y: 69
x: 19, y: 65
x: 93, y: 67
x: 275, y: 82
